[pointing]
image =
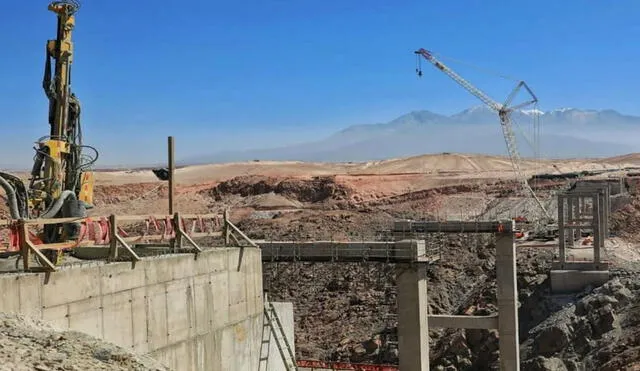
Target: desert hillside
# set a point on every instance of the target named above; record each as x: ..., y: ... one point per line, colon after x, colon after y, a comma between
x: 346, y: 313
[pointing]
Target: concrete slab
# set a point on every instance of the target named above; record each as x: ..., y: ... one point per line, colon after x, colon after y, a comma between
x: 567, y: 281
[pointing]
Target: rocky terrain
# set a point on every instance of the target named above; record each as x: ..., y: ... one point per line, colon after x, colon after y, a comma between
x: 27, y: 345
x: 346, y: 312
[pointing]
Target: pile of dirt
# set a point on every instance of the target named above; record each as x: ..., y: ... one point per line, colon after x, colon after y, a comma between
x: 26, y: 344
x: 117, y: 194
x: 308, y: 225
x: 303, y: 189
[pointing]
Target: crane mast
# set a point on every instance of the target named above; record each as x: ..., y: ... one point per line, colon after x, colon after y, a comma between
x: 504, y: 112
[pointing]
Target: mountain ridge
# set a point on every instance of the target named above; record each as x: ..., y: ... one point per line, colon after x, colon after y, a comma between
x: 573, y: 133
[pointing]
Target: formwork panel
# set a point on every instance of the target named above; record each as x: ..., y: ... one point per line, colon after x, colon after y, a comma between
x: 30, y: 287
x: 10, y: 295
x: 220, y: 287
x: 157, y: 316
x: 70, y: 285
x: 203, y: 298
x: 57, y: 316
x: 211, y: 261
x: 86, y: 316
x: 117, y: 317
x: 178, y: 297
x: 139, y: 320
x: 121, y: 277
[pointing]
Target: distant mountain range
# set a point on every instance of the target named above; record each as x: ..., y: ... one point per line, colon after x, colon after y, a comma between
x: 565, y: 133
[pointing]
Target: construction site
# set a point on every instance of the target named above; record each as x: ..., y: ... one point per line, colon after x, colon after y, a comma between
x: 440, y: 261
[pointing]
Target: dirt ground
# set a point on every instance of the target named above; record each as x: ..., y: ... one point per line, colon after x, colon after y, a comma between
x: 347, y: 312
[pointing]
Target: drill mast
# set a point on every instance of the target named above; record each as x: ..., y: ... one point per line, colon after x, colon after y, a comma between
x: 61, y: 184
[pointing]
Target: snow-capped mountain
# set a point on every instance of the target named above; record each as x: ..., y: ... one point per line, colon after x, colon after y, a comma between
x: 566, y: 132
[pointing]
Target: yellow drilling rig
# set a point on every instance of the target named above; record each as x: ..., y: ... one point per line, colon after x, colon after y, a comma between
x: 61, y: 182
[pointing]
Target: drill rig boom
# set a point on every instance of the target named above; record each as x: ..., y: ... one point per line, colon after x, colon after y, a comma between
x: 60, y: 184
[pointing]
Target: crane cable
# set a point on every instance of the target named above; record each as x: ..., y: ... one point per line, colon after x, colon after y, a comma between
x: 476, y: 67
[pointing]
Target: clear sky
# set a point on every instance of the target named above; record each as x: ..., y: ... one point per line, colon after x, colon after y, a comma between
x: 245, y: 74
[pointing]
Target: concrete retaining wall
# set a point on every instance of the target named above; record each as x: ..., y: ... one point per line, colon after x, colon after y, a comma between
x: 190, y: 314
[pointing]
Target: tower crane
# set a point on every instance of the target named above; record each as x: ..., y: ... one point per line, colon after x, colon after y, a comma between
x: 504, y: 113
x: 60, y: 183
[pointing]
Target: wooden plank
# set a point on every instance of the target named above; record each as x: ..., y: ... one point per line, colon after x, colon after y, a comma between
x: 134, y: 256
x: 51, y: 267
x: 189, y: 239
x: 206, y: 234
x: 237, y: 230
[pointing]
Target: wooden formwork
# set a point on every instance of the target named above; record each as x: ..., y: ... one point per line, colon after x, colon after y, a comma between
x: 18, y: 236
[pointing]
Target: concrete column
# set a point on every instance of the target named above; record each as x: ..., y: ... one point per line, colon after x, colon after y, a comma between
x: 607, y: 212
x: 597, y: 226
x: 507, y: 296
x: 562, y: 238
x: 413, y: 328
x: 572, y: 215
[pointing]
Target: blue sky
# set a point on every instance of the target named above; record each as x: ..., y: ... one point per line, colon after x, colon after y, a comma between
x: 246, y: 74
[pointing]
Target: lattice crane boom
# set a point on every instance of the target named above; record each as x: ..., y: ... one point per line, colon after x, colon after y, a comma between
x: 504, y: 112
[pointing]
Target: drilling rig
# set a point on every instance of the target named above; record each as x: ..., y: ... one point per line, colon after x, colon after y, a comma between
x: 61, y: 181
x: 504, y: 111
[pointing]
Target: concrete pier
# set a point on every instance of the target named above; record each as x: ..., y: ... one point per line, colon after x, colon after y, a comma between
x: 413, y: 322
x: 412, y: 295
x: 507, y: 296
x: 582, y: 209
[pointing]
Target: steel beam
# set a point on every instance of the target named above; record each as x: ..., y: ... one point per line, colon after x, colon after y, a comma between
x: 412, y: 226
x: 407, y: 251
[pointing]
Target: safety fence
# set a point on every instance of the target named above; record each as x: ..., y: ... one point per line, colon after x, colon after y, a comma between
x: 25, y: 237
x: 311, y: 365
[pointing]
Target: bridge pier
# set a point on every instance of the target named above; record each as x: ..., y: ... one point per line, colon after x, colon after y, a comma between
x: 413, y: 326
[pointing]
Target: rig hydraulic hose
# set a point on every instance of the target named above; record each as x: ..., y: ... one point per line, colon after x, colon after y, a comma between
x: 57, y: 205
x: 11, y: 198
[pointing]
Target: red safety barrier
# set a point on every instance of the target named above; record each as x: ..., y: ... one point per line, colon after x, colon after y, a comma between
x: 319, y: 365
x: 97, y: 230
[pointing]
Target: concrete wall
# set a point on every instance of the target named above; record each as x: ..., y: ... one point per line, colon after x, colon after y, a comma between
x: 285, y: 314
x: 190, y: 314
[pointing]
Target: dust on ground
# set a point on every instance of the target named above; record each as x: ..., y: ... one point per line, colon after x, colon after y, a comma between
x: 27, y: 344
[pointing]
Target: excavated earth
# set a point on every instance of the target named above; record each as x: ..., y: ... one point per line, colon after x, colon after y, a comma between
x: 27, y: 345
x: 346, y: 312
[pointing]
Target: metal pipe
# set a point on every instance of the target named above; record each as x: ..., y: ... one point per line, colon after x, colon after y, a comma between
x: 12, y: 199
